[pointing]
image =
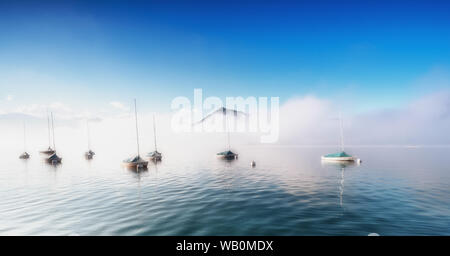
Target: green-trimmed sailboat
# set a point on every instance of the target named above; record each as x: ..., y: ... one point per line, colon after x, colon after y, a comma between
x: 340, y: 156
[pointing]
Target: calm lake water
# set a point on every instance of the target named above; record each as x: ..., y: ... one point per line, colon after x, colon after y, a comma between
x: 395, y: 191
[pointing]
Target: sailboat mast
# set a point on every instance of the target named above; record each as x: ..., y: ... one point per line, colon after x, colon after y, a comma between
x: 342, y: 131
x: 48, y: 130
x: 24, y: 138
x: 154, y: 131
x: 88, y: 135
x: 228, y: 132
x: 137, y: 131
x: 53, y: 129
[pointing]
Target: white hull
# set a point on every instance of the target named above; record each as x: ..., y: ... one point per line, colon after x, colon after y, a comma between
x: 339, y: 159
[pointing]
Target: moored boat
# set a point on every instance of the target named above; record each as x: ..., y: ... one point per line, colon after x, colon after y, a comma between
x: 88, y: 154
x: 53, y: 158
x: 24, y: 155
x: 340, y: 156
x: 228, y: 155
x: 135, y: 162
x: 155, y: 155
x: 49, y: 150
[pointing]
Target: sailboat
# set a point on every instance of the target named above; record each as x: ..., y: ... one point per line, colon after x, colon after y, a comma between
x: 136, y: 162
x: 24, y: 155
x: 49, y: 150
x: 228, y: 154
x: 155, y: 155
x: 342, y: 155
x: 88, y: 154
x: 53, y: 158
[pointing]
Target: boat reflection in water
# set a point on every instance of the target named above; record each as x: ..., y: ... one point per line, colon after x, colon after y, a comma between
x: 342, y: 165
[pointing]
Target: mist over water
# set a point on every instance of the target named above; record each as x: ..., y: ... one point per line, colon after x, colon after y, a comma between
x: 396, y: 191
x: 384, y: 68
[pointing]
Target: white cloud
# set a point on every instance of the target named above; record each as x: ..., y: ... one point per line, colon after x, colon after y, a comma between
x: 59, y: 110
x: 119, y: 105
x: 313, y: 121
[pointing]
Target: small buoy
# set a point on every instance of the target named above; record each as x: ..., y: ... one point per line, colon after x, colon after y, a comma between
x: 253, y: 164
x: 358, y: 161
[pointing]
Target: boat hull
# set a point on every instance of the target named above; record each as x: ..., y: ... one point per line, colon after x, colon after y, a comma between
x: 228, y: 157
x: 53, y: 161
x: 24, y: 156
x: 155, y: 158
x: 339, y: 159
x: 47, y: 152
x: 88, y: 155
x: 138, y: 165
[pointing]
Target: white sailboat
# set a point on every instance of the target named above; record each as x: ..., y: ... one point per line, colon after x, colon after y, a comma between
x: 88, y: 154
x: 136, y: 162
x: 49, y: 150
x: 53, y: 158
x: 341, y: 156
x: 24, y: 155
x: 155, y: 155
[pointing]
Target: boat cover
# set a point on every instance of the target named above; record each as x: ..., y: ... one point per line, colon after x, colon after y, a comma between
x: 341, y: 154
x: 154, y: 153
x: 225, y: 153
x: 54, y: 157
x: 135, y: 159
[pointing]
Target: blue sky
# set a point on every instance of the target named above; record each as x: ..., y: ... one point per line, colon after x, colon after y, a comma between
x: 92, y: 53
